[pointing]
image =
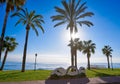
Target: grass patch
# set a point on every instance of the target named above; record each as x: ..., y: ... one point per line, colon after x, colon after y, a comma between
x: 30, y: 75
x: 102, y: 72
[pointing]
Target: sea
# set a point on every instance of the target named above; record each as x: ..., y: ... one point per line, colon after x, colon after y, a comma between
x: 49, y: 66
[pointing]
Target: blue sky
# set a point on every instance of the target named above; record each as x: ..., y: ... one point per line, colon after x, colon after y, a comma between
x: 51, y: 46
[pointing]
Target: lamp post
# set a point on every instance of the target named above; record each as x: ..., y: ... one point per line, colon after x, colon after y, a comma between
x: 35, y: 62
x: 111, y: 62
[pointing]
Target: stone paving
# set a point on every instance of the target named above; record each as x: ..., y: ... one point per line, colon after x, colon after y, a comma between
x: 97, y: 80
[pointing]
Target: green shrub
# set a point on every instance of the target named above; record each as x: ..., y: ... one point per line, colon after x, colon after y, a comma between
x: 54, y: 76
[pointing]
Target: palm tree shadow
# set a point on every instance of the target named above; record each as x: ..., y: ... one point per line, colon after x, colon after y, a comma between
x: 100, y: 74
x: 68, y: 81
x: 109, y: 79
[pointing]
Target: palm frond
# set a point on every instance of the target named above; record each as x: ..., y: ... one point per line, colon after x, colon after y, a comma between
x: 66, y: 6
x: 88, y: 23
x: 59, y: 23
x: 87, y: 14
x: 60, y: 11
x: 41, y: 27
x: 33, y: 27
x: 20, y: 20
x: 72, y: 7
x: 58, y: 17
x: 37, y: 17
x: 18, y: 15
x: 24, y: 11
x: 82, y: 8
x: 77, y: 4
x: 31, y: 14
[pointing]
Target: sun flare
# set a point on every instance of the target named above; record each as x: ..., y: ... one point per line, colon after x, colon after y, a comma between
x: 74, y: 35
x: 66, y: 35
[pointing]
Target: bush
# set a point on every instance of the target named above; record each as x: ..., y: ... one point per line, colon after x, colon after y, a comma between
x: 56, y: 77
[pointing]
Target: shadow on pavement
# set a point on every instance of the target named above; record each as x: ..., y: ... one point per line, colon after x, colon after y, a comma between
x: 68, y: 81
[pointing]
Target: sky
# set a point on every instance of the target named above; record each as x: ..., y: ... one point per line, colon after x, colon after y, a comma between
x: 51, y: 47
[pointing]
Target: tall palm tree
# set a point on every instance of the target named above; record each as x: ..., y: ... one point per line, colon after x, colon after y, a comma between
x: 10, y: 46
x: 76, y: 45
x: 88, y: 48
x: 30, y: 20
x: 11, y: 5
x: 107, y: 51
x: 72, y: 14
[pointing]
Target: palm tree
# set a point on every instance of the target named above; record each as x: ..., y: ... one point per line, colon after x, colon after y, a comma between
x: 10, y: 46
x: 107, y: 51
x: 11, y: 5
x: 76, y: 45
x: 31, y: 20
x: 72, y: 14
x: 88, y: 48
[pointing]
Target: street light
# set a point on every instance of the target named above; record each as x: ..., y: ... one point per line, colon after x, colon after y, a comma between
x: 111, y: 62
x: 35, y: 62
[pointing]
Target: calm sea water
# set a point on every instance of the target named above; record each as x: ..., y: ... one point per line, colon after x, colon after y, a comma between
x: 49, y: 66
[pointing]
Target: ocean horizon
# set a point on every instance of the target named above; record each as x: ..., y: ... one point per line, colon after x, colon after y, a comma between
x: 49, y: 66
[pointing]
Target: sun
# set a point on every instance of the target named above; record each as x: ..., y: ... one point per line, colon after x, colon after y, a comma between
x: 74, y: 35
x: 66, y: 35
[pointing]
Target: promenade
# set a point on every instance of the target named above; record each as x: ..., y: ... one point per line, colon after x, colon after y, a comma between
x: 97, y: 80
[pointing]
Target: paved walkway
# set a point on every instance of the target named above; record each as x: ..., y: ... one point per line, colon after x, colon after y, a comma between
x: 97, y: 80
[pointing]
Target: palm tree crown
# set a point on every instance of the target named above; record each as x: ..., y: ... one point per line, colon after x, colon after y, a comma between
x: 29, y: 19
x: 107, y: 50
x: 89, y: 47
x: 12, y: 4
x: 72, y: 13
x: 9, y: 46
x: 10, y: 43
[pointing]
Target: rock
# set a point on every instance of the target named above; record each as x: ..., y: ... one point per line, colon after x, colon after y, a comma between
x: 82, y: 70
x: 59, y: 71
x: 72, y: 71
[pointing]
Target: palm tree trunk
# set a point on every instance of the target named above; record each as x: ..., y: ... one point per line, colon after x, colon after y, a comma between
x: 4, y: 60
x: 72, y: 58
x: 108, y: 62
x: 3, y: 32
x: 88, y: 58
x: 25, y: 49
x: 76, y: 57
x: 72, y: 55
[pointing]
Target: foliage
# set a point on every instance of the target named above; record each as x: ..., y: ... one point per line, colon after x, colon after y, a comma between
x: 11, y: 5
x: 72, y: 14
x: 29, y: 19
x: 54, y: 76
x: 10, y: 43
x: 107, y: 50
x: 9, y: 46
